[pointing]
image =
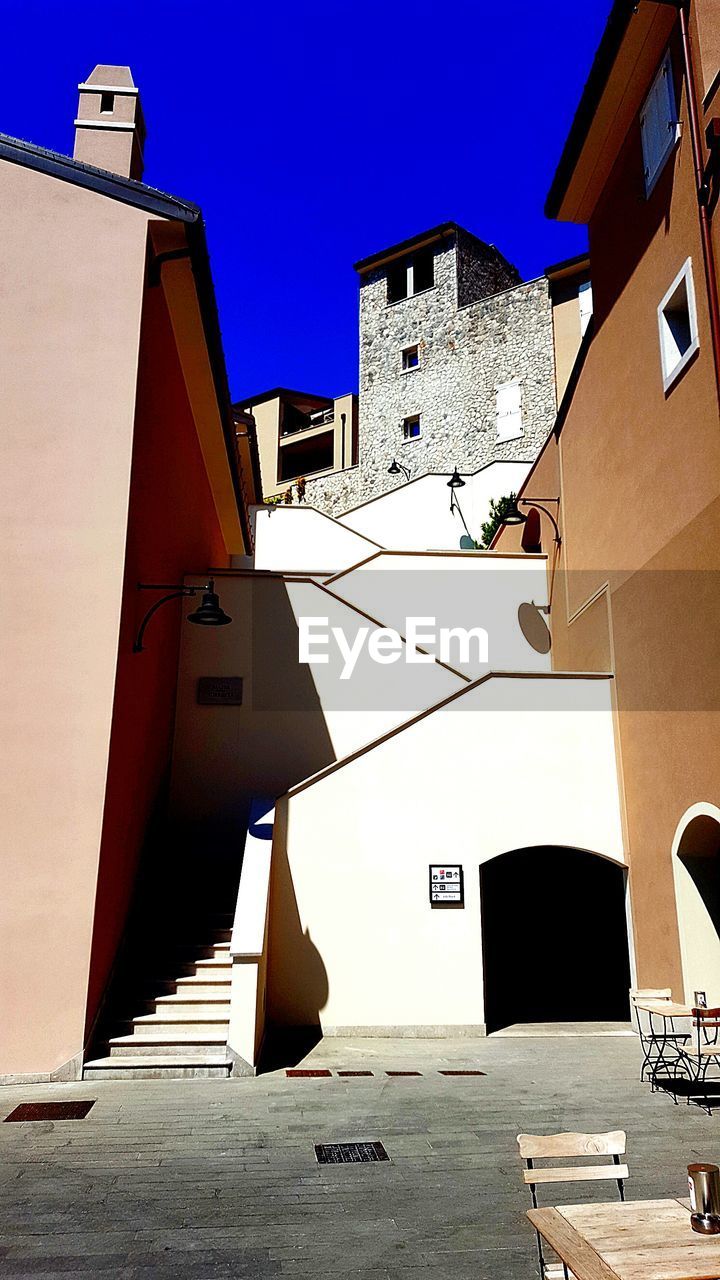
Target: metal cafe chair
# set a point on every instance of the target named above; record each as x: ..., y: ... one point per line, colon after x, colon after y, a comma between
x: 705, y: 1050
x: 562, y: 1146
x: 662, y: 1046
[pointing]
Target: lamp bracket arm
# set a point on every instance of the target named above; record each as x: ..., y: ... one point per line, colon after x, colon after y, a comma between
x: 172, y: 595
x: 538, y: 503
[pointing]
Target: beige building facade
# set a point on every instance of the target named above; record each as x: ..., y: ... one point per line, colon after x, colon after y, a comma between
x: 632, y: 467
x: 301, y: 436
x: 120, y: 465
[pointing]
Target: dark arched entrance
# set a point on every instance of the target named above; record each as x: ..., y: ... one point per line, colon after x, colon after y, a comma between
x: 554, y: 934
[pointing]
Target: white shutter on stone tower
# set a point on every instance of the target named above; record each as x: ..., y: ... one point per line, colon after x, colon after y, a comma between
x: 508, y: 411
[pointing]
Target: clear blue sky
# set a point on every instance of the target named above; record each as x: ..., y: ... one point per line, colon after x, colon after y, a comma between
x: 313, y: 134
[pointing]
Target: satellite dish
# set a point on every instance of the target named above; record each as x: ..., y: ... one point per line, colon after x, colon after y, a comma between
x: 467, y: 543
x: 534, y: 627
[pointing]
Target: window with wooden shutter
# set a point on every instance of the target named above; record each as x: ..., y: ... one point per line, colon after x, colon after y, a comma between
x: 508, y: 411
x: 586, y: 306
x: 659, y: 127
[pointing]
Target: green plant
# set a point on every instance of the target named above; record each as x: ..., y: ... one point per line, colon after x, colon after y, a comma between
x: 498, y: 511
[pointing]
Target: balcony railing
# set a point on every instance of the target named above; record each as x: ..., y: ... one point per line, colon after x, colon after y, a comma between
x: 306, y: 421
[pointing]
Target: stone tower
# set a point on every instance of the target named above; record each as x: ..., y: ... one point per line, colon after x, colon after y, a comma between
x: 456, y: 364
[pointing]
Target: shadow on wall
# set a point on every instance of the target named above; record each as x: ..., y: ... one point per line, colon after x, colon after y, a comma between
x: 297, y: 980
x: 698, y: 894
x: 225, y: 755
x: 555, y: 946
x: 700, y: 852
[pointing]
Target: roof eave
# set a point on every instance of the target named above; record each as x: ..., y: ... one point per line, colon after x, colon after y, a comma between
x: 114, y: 185
x: 405, y: 246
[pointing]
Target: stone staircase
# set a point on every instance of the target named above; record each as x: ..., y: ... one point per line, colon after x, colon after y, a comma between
x: 176, y: 1025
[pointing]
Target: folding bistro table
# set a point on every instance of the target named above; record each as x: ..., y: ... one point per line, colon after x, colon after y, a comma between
x: 637, y: 1240
x: 663, y: 1042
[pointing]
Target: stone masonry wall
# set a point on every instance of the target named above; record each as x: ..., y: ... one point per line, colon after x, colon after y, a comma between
x: 465, y: 354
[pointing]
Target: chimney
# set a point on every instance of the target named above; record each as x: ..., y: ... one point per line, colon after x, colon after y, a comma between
x: 110, y: 130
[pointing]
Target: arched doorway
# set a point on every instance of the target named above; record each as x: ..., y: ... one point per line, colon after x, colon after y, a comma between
x: 554, y: 933
x: 696, y: 867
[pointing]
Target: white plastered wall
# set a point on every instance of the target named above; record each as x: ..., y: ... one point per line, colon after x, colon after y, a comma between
x: 416, y: 516
x: 353, y: 941
x: 459, y: 589
x: 302, y: 540
x: 294, y: 718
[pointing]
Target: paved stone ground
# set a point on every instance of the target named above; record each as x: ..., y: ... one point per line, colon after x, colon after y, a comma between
x: 193, y: 1180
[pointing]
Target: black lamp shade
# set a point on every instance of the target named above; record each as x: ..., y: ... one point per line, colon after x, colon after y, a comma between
x: 514, y: 515
x: 209, y: 613
x: 456, y: 481
x: 393, y: 469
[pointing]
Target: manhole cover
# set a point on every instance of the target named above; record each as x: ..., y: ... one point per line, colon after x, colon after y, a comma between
x: 50, y: 1111
x: 350, y: 1152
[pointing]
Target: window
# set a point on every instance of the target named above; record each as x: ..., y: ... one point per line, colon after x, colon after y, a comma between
x: 508, y: 411
x: 586, y: 306
x: 411, y: 275
x: 410, y: 358
x: 411, y: 428
x: 397, y: 282
x: 659, y: 127
x: 423, y: 270
x: 677, y: 322
x: 107, y: 103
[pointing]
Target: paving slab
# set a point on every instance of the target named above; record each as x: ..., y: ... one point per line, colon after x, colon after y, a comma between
x: 197, y: 1179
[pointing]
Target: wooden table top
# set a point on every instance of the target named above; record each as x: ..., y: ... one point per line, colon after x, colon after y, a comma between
x: 638, y: 1240
x: 666, y: 1008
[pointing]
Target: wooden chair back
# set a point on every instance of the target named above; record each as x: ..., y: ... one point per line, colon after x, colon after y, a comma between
x: 650, y: 993
x: 573, y: 1145
x: 563, y: 1146
x: 707, y: 1024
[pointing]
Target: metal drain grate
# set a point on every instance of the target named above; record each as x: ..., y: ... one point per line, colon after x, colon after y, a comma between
x: 354, y: 1073
x: 403, y: 1073
x: 350, y: 1152
x: 50, y: 1111
x: 296, y: 1073
x: 462, y: 1073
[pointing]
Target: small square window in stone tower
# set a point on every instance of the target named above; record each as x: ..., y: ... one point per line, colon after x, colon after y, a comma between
x: 411, y: 427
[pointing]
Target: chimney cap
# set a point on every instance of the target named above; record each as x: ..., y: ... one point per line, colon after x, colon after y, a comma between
x: 107, y: 77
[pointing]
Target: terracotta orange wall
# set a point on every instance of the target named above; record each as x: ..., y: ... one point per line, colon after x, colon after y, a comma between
x: 639, y: 478
x: 172, y: 530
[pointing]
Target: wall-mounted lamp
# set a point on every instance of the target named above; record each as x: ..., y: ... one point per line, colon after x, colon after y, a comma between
x: 514, y: 516
x: 208, y: 613
x: 454, y: 483
x: 396, y: 468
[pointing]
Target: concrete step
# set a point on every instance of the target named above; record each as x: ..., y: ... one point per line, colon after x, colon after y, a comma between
x: 221, y: 961
x: 197, y: 987
x: 168, y: 1016
x: 168, y: 1043
x: 189, y: 999
x: 214, y: 981
x: 154, y: 1066
x: 190, y: 952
